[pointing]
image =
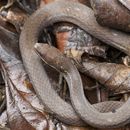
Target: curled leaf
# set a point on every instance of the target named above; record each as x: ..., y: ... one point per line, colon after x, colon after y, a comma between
x: 115, y: 76
x: 26, y: 100
x: 16, y: 120
x: 112, y: 13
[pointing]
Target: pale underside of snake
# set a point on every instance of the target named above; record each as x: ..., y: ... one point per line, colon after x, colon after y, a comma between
x: 82, y: 16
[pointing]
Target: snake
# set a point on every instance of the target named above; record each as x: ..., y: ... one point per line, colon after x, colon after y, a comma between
x: 80, y: 113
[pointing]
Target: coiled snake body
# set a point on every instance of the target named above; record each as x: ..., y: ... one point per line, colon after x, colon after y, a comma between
x: 82, y: 16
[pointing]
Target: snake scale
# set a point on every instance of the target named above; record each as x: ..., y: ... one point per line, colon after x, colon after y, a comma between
x: 82, y: 16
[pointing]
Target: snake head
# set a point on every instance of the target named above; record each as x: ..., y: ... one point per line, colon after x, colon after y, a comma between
x: 52, y: 56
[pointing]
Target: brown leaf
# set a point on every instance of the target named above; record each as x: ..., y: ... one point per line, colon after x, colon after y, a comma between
x: 86, y: 2
x: 6, y: 25
x: 27, y: 103
x: 34, y: 117
x: 16, y: 120
x: 111, y: 13
x: 70, y: 37
x: 16, y: 73
x: 114, y: 76
x: 16, y: 17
